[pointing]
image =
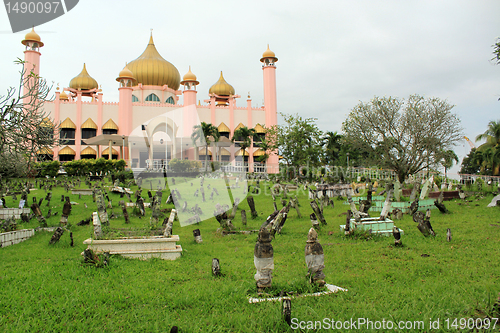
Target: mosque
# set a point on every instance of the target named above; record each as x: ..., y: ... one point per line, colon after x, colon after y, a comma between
x: 149, y: 87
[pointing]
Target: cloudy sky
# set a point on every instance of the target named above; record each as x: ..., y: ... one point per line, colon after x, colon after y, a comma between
x: 332, y: 54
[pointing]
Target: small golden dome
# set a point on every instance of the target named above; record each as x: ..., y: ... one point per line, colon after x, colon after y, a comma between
x: 63, y: 96
x: 125, y: 73
x: 189, y: 77
x: 221, y: 87
x: 268, y: 54
x: 83, y: 81
x: 151, y: 69
x: 32, y: 36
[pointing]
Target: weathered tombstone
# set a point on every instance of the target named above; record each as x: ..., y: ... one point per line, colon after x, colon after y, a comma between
x: 347, y: 229
x: 317, y: 211
x: 170, y: 223
x: 56, y: 236
x: 414, y: 206
x: 197, y: 236
x: 97, y: 225
x: 251, y: 203
x: 425, y: 189
x: 397, y: 214
x: 65, y: 213
x: 101, y: 209
x: 397, y: 190
x: 155, y: 216
x: 414, y: 191
x: 397, y: 236
x: 287, y: 311
x: 215, y: 267
x: 315, y: 259
x: 140, y: 204
x: 448, y: 235
x: 424, y: 224
x: 235, y: 207
x: 124, y: 210
x: 295, y: 204
x: 439, y: 203
x: 263, y: 260
x: 243, y: 217
x: 48, y: 198
x: 387, y: 206
x: 314, y: 221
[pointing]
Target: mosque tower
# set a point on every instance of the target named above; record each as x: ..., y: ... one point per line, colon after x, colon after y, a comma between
x: 270, y: 103
x: 32, y: 54
x: 127, y: 80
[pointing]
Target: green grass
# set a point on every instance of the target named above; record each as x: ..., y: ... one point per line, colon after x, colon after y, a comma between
x: 46, y: 288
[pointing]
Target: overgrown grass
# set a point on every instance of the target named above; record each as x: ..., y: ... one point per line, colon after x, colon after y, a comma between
x: 47, y: 288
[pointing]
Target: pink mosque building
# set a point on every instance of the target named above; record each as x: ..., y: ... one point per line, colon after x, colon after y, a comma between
x: 149, y: 87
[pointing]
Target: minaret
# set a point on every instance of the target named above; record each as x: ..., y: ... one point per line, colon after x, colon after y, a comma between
x: 189, y: 82
x: 32, y: 54
x: 270, y: 104
x: 127, y: 80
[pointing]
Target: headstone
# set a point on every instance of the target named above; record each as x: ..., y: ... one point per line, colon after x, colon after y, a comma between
x: 215, y: 267
x: 314, y: 221
x: 263, y: 260
x: 21, y: 204
x: 315, y: 259
x: 243, y: 217
x: 251, y: 203
x: 397, y: 236
x: 197, y: 236
x: 397, y: 190
x: 56, y: 236
x: 425, y: 189
x: 97, y: 225
x: 317, y: 211
x: 387, y: 206
x: 170, y: 223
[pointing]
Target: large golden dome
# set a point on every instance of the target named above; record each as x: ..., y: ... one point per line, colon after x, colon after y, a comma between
x: 221, y: 87
x: 83, y: 81
x: 151, y: 69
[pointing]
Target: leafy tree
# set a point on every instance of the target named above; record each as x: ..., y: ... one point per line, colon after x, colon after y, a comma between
x: 299, y: 141
x: 496, y: 52
x: 25, y: 128
x: 243, y: 136
x: 406, y: 136
x: 205, y: 132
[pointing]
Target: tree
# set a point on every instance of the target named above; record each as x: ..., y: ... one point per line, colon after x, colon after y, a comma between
x: 243, y: 136
x: 406, y: 136
x: 333, y: 147
x: 491, y: 148
x: 447, y: 159
x: 299, y: 141
x: 496, y: 52
x: 471, y: 164
x: 25, y: 129
x: 205, y: 132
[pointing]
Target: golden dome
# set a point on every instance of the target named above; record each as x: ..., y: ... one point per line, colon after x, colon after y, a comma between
x: 189, y: 77
x: 83, y: 81
x: 32, y: 36
x: 151, y: 69
x: 125, y: 73
x: 63, y: 96
x: 221, y: 87
x: 268, y: 54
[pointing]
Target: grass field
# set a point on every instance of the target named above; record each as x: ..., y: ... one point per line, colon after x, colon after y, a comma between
x: 46, y: 288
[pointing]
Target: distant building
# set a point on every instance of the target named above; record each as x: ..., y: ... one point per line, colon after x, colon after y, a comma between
x: 150, y: 86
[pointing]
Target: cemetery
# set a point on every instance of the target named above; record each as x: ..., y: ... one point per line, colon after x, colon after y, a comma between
x: 105, y: 254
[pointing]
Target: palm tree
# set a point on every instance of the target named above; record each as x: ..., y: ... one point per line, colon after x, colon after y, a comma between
x: 244, y: 136
x: 332, y: 147
x: 205, y: 131
x: 492, y: 137
x: 447, y: 159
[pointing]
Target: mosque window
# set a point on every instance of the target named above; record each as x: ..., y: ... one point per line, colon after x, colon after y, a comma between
x: 67, y: 136
x: 152, y: 98
x: 170, y: 100
x: 134, y: 99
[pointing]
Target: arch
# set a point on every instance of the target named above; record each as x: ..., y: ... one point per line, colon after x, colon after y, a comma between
x: 152, y: 98
x: 134, y: 99
x: 110, y: 127
x: 170, y: 100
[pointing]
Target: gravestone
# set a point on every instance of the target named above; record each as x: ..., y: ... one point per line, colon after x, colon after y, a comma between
x: 97, y: 225
x: 263, y: 260
x: 315, y: 259
x: 397, y: 190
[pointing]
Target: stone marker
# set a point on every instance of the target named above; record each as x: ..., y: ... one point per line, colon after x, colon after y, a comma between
x: 315, y: 259
x: 244, y: 217
x: 170, y: 223
x: 397, y: 214
x: 65, y: 213
x: 235, y: 207
x: 448, y: 235
x: 317, y: 211
x: 263, y: 260
x: 314, y: 221
x: 56, y: 236
x: 387, y: 206
x: 124, y: 210
x: 101, y: 210
x: 251, y: 203
x: 347, y: 229
x: 426, y: 188
x: 439, y: 203
x: 97, y: 225
x: 140, y: 204
x: 397, y: 236
x: 287, y: 310
x: 215, y: 267
x: 424, y: 224
x: 197, y: 236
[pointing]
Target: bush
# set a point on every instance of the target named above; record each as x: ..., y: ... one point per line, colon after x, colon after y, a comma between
x: 85, y: 167
x: 49, y: 168
x: 179, y: 165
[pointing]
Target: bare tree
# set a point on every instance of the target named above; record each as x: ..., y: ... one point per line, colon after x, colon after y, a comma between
x: 26, y: 131
x: 406, y: 136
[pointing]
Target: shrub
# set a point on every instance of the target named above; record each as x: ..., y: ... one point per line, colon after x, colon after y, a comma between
x: 48, y: 168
